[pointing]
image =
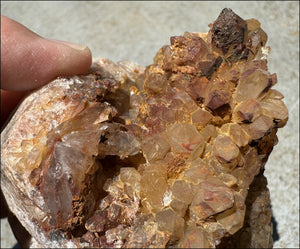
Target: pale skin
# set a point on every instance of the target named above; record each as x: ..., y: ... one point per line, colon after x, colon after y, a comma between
x: 29, y: 61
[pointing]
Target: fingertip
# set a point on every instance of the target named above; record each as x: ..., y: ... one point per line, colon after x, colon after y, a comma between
x: 62, y: 59
x: 73, y: 58
x: 9, y: 101
x: 30, y: 61
x: 78, y: 62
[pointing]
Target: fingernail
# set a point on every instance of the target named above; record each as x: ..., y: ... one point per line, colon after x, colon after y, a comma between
x: 70, y: 44
x: 76, y: 46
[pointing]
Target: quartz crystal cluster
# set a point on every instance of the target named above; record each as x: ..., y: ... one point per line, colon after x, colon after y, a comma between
x: 167, y: 156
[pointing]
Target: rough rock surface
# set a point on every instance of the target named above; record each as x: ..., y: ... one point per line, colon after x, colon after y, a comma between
x: 168, y: 156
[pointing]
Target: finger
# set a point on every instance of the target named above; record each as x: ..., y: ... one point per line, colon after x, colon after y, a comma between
x: 9, y: 101
x: 29, y: 61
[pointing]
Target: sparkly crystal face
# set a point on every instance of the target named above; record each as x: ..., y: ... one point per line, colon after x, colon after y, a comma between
x: 166, y: 157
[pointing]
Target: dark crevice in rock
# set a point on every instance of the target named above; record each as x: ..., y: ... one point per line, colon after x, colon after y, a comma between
x: 79, y: 231
x: 120, y: 99
x: 223, y: 110
x: 112, y: 164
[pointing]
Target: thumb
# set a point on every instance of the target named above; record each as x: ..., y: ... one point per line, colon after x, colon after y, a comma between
x: 29, y: 61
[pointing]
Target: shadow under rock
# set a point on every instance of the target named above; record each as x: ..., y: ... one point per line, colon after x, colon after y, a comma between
x: 275, y: 234
x: 17, y: 246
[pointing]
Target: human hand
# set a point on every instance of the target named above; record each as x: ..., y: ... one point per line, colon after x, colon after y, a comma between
x: 29, y: 61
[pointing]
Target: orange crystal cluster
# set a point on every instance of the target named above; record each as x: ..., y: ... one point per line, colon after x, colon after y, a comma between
x: 165, y: 159
x: 209, y: 119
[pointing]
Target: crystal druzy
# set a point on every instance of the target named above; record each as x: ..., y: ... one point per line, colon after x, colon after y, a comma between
x: 167, y: 156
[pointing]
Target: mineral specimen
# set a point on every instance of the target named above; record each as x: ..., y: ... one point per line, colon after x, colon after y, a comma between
x: 167, y: 156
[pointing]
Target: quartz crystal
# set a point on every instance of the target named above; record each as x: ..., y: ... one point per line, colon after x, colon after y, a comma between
x: 171, y: 155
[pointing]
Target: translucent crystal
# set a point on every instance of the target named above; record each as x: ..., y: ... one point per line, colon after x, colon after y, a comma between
x: 225, y: 150
x: 238, y: 135
x: 170, y: 222
x: 182, y: 191
x: 211, y: 197
x: 153, y: 187
x: 275, y: 109
x: 155, y: 147
x: 260, y: 127
x: 246, y: 111
x: 201, y: 117
x: 183, y: 137
x: 232, y: 220
x: 194, y: 238
x: 179, y: 207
